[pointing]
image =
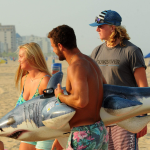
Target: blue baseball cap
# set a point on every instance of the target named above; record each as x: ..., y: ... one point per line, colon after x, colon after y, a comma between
x: 107, y: 17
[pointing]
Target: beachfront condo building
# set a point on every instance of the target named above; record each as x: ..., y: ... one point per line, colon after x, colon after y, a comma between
x: 8, y: 38
x: 43, y: 42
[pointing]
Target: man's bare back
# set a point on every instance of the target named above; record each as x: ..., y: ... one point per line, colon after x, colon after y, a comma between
x: 84, y: 76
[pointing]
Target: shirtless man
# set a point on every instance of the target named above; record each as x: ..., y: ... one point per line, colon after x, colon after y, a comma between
x: 84, y: 85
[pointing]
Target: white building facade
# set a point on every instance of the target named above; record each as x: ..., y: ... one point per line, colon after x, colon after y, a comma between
x: 8, y: 38
x: 18, y: 40
x: 43, y: 42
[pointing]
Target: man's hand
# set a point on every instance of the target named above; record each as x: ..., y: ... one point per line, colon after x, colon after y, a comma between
x: 58, y: 90
x: 56, y: 145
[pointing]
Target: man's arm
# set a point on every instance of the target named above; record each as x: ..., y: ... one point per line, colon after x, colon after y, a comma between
x: 77, y: 75
x: 140, y: 77
x: 141, y: 80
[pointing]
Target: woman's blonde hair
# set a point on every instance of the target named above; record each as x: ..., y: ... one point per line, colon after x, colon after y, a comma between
x: 119, y: 33
x: 35, y: 58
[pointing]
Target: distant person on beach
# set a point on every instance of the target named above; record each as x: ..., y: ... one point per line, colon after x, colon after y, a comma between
x: 121, y: 63
x: 84, y: 85
x: 1, y: 145
x: 34, y: 75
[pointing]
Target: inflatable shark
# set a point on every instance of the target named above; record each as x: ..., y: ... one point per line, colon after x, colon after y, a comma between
x: 124, y: 106
x: 43, y: 117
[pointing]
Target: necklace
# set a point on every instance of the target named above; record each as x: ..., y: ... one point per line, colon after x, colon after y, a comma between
x: 32, y: 79
x: 73, y: 56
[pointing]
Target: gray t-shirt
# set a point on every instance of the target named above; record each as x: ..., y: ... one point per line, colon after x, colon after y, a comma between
x: 119, y: 63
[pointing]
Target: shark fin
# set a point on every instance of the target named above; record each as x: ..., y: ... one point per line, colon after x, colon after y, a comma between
x: 118, y: 106
x: 56, y: 115
x: 57, y: 123
x: 135, y: 124
x: 54, y: 80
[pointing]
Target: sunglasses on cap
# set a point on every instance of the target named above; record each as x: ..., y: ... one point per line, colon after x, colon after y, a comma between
x: 100, y: 20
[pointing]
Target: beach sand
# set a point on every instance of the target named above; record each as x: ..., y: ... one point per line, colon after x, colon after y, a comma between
x: 9, y: 96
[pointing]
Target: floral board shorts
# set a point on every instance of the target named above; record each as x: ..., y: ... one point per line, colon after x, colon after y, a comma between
x: 88, y: 137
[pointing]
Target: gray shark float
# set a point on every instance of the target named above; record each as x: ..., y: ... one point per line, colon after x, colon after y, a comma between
x: 43, y: 117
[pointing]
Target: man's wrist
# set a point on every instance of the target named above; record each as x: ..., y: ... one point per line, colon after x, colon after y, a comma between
x: 58, y: 97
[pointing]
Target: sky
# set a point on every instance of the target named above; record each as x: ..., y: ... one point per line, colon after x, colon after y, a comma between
x: 39, y: 17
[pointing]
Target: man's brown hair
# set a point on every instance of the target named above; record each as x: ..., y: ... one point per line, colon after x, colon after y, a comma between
x: 64, y: 35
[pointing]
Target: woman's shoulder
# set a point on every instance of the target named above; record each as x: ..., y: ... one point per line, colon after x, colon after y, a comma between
x: 44, y: 82
x: 45, y: 77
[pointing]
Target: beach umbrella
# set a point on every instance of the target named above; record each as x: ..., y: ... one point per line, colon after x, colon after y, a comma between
x: 147, y: 56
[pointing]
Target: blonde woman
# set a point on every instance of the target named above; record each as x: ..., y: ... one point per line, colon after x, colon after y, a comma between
x: 33, y: 77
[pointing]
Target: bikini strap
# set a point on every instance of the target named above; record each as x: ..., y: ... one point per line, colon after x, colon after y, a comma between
x: 42, y: 79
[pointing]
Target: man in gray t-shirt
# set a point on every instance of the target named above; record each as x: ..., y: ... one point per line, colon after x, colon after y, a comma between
x: 121, y: 63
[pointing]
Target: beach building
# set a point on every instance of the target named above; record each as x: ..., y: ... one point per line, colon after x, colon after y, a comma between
x: 42, y: 41
x: 1, y: 47
x: 18, y: 40
x: 8, y: 38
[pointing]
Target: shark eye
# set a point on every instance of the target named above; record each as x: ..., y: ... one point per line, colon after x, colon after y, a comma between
x: 11, y: 121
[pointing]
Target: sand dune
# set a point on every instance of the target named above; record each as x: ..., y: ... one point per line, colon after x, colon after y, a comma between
x: 9, y: 96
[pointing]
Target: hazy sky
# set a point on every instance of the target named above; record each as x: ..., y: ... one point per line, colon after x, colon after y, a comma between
x: 38, y: 17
